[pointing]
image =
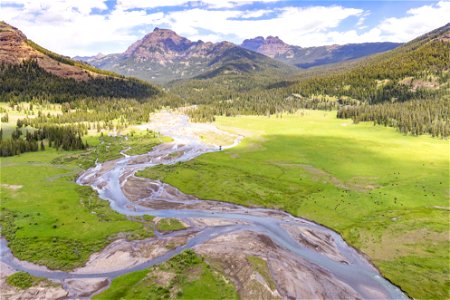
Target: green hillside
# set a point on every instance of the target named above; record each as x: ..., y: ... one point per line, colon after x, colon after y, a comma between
x: 27, y: 81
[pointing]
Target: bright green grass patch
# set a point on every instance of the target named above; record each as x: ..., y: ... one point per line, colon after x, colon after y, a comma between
x: 169, y: 224
x: 138, y: 141
x: 109, y: 148
x: 260, y: 265
x: 371, y: 184
x: 48, y: 219
x: 22, y: 280
x: 185, y: 276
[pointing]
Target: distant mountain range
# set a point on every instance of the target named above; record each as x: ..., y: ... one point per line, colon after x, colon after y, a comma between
x: 163, y: 56
x: 416, y: 70
x: 313, y: 56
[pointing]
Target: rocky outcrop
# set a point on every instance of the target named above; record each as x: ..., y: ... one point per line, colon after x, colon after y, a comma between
x: 273, y: 46
x: 16, y: 48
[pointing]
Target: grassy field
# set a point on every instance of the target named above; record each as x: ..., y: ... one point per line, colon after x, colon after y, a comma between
x: 169, y: 224
x: 48, y: 219
x: 23, y: 280
x: 386, y: 193
x: 185, y: 276
x: 21, y: 111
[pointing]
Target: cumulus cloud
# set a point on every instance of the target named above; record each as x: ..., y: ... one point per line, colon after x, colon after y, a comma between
x: 85, y: 27
x: 417, y: 21
x: 132, y: 4
x: 72, y: 28
x: 292, y: 24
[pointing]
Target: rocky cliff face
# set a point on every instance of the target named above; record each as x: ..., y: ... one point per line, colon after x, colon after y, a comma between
x: 300, y: 57
x: 272, y: 46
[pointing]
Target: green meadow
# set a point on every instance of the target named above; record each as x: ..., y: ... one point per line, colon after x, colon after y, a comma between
x: 169, y: 224
x: 50, y: 220
x: 386, y: 193
x: 185, y: 276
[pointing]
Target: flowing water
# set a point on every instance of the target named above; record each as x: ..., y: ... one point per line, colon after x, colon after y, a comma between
x: 354, y: 271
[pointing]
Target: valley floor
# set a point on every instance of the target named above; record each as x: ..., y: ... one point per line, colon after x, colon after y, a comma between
x: 386, y: 193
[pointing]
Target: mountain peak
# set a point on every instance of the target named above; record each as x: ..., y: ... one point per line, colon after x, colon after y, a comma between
x: 271, y: 46
x: 10, y: 33
x: 274, y: 40
x: 158, y: 41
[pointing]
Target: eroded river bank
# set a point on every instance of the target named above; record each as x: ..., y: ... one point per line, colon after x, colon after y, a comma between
x: 305, y: 260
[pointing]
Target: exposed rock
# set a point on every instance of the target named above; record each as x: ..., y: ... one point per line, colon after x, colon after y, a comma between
x: 163, y: 55
x: 297, y: 56
x: 16, y: 48
x: 229, y: 253
x: 43, y: 291
x: 79, y: 288
x: 272, y: 46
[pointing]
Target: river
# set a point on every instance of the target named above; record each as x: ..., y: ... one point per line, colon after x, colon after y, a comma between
x: 115, y: 182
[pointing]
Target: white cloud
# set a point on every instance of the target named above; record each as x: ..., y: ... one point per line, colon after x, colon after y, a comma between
x: 248, y: 14
x: 38, y: 6
x: 418, y: 21
x: 74, y: 27
x: 71, y: 29
x: 292, y: 24
x: 131, y: 4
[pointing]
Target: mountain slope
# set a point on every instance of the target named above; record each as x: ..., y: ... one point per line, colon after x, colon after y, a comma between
x: 407, y: 88
x: 313, y: 56
x: 30, y: 71
x: 164, y: 56
x: 418, y: 69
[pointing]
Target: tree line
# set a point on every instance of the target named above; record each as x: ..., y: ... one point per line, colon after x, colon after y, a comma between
x: 28, y: 81
x: 59, y: 137
x: 415, y: 117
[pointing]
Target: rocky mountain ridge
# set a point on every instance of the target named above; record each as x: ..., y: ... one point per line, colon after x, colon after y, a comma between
x: 164, y: 56
x: 308, y: 57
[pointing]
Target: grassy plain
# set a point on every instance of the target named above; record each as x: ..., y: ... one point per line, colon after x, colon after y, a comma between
x: 386, y: 193
x: 169, y: 224
x: 185, y: 276
x: 23, y: 280
x: 48, y: 219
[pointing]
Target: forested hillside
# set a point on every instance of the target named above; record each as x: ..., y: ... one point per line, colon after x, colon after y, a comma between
x: 29, y: 71
x: 419, y: 69
x: 395, y: 81
x: 27, y: 81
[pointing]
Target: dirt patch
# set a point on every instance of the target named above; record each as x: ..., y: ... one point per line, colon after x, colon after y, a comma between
x: 79, y: 288
x: 415, y: 83
x: 162, y: 278
x: 392, y: 246
x: 358, y: 184
x: 442, y: 207
x: 12, y: 187
x: 266, y: 241
x: 315, y: 240
x: 43, y: 290
x: 123, y: 254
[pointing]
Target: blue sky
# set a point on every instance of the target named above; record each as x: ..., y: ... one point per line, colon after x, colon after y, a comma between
x: 86, y: 27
